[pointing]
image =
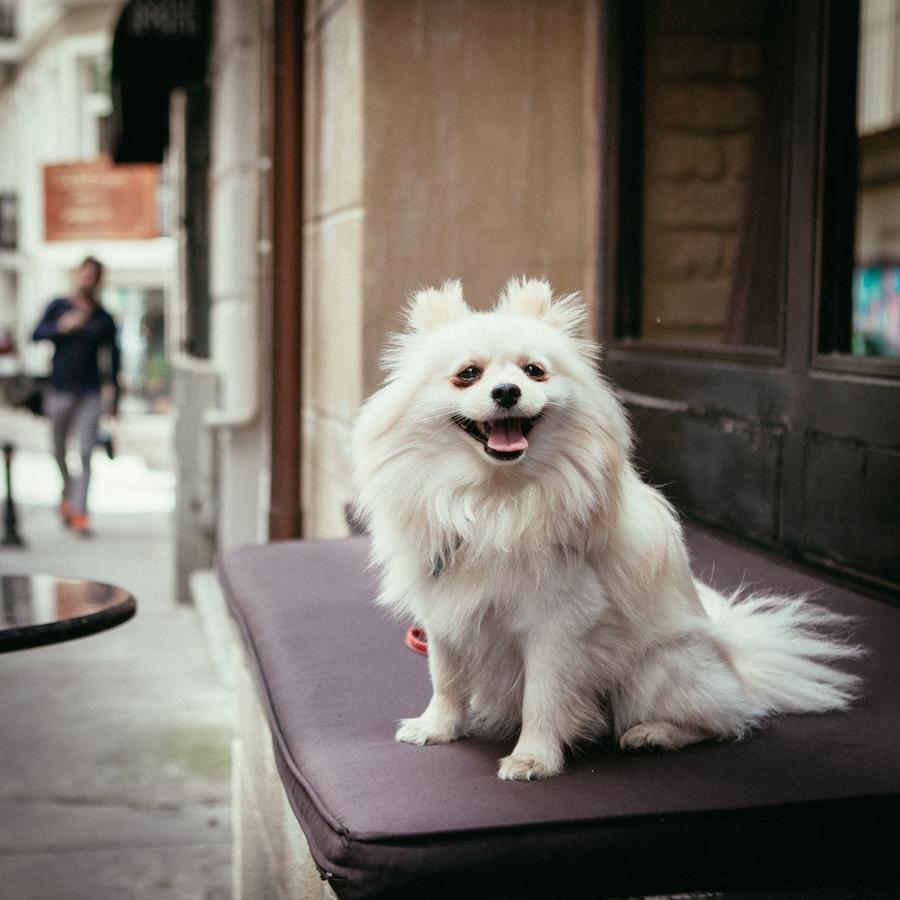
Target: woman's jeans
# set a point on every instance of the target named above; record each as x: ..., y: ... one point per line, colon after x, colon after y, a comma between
x: 78, y: 416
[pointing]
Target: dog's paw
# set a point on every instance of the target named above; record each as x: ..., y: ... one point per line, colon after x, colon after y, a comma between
x: 528, y: 767
x: 659, y: 736
x: 424, y: 730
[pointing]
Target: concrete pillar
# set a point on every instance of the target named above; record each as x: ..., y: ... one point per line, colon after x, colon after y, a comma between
x: 238, y: 314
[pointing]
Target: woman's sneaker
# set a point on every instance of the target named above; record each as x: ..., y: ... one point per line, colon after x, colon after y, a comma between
x: 66, y: 512
x: 80, y: 524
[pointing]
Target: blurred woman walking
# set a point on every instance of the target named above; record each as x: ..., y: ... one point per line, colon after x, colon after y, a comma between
x: 81, y: 330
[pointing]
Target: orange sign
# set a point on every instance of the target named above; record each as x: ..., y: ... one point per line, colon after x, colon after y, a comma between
x: 99, y: 200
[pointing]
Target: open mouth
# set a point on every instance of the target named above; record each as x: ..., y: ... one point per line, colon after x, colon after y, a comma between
x: 504, y: 439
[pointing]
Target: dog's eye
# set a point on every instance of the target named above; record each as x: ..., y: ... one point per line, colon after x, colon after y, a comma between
x: 469, y: 373
x: 533, y: 371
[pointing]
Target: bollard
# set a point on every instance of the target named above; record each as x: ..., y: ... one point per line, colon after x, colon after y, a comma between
x: 11, y: 536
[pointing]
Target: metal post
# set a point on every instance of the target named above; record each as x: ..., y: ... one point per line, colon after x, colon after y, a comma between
x: 10, y: 533
x: 286, y: 275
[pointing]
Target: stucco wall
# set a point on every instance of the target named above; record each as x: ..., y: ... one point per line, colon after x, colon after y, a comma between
x: 445, y: 139
x: 480, y: 151
x: 333, y: 239
x: 237, y: 273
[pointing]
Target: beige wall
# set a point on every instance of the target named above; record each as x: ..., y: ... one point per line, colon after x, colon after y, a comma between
x: 480, y: 150
x: 333, y: 219
x: 445, y: 139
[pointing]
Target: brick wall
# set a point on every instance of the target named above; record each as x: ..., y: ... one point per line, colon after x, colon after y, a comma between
x: 702, y: 82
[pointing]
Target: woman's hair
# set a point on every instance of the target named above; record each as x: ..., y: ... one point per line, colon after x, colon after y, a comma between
x: 93, y: 261
x: 94, y: 292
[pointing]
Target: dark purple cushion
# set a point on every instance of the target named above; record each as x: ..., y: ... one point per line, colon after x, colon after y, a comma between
x: 807, y: 799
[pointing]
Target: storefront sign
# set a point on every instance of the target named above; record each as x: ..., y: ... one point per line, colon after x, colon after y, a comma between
x: 99, y: 200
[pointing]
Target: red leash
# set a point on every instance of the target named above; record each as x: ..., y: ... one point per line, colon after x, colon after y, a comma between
x: 417, y: 640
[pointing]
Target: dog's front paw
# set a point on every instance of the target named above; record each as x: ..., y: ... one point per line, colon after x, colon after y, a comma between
x: 425, y: 730
x: 529, y: 767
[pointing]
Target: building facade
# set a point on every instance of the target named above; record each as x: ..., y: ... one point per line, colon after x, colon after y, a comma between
x: 715, y: 178
x: 735, y: 249
x: 55, y: 108
x: 730, y: 233
x: 386, y: 196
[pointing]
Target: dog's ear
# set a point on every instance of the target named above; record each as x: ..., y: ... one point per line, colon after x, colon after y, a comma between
x: 534, y: 297
x: 432, y: 307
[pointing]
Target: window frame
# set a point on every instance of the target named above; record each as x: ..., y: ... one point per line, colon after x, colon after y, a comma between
x: 837, y: 200
x: 621, y: 228
x: 795, y: 400
x: 831, y: 216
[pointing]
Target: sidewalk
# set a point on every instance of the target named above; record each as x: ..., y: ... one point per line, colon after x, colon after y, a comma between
x: 115, y: 748
x: 147, y: 436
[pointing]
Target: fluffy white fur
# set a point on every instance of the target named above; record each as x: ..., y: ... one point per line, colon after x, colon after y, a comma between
x: 555, y: 588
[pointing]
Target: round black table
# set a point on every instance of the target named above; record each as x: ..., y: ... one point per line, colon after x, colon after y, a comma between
x: 44, y: 609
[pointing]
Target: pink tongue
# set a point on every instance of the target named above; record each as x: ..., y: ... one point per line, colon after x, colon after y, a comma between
x: 506, y: 435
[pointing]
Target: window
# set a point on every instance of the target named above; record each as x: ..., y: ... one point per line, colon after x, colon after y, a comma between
x: 705, y: 118
x: 751, y: 265
x: 875, y: 329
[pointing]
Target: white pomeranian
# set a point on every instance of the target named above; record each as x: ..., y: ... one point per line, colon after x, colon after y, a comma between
x: 494, y: 473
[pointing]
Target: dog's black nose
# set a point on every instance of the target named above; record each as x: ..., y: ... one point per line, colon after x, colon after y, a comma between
x: 506, y: 395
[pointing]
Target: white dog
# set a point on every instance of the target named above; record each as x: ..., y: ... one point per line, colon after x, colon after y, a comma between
x: 493, y: 469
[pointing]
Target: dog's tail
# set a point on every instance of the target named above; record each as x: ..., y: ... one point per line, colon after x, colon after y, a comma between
x: 785, y: 650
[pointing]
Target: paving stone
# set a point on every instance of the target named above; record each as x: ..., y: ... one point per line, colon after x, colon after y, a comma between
x: 115, y: 748
x: 136, y: 873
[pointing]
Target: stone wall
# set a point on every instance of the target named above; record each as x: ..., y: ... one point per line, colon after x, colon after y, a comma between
x: 702, y: 106
x: 480, y: 151
x: 238, y: 278
x: 445, y: 139
x: 271, y: 857
x: 333, y: 224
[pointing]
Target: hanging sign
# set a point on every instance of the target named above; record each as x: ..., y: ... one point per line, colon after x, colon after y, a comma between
x: 99, y: 200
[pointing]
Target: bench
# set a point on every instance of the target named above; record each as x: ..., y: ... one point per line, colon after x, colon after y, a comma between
x: 805, y: 802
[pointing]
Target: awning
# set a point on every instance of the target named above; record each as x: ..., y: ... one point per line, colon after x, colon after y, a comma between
x: 158, y: 45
